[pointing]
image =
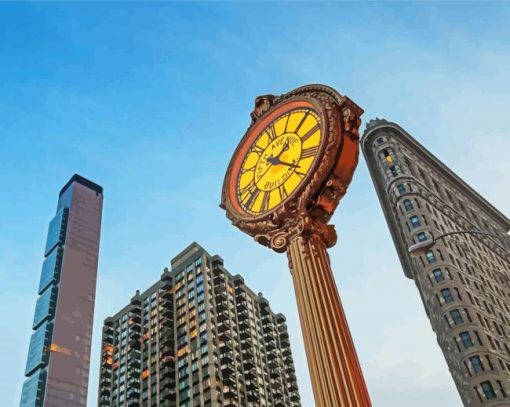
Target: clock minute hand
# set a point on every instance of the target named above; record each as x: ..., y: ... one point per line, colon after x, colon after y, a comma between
x: 288, y: 164
x: 285, y: 148
x: 277, y: 161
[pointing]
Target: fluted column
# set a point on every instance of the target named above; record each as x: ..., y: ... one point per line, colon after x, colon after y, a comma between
x: 336, y: 375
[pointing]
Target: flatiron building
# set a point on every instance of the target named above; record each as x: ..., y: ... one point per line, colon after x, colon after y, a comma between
x: 463, y: 279
x: 198, y: 337
x: 57, y: 368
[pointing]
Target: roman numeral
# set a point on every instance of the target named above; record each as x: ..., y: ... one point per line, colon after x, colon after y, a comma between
x: 286, y: 122
x: 265, y: 202
x: 310, y: 132
x: 283, y: 192
x: 256, y: 149
x: 309, y: 152
x: 244, y: 169
x: 300, y: 174
x: 301, y: 123
x: 253, y: 195
x: 247, y: 189
x: 271, y: 133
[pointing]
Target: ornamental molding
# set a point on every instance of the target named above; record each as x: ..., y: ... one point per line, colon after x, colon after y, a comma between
x: 311, y: 206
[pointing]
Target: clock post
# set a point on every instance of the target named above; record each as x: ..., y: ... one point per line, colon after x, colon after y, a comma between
x: 297, y: 222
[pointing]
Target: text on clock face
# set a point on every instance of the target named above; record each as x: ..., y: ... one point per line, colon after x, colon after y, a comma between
x: 278, y: 160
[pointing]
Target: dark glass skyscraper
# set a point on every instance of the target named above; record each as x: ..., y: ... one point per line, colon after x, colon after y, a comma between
x: 57, y: 367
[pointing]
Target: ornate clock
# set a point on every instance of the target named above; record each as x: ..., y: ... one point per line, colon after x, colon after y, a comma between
x: 284, y: 182
x: 293, y: 164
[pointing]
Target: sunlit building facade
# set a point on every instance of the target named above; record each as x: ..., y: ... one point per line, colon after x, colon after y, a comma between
x: 198, y: 337
x: 57, y: 366
x: 463, y: 279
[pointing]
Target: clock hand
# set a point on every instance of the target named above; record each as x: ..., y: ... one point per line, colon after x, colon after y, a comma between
x: 285, y: 148
x: 288, y: 164
x: 270, y: 160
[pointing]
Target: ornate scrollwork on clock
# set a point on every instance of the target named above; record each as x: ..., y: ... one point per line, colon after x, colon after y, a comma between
x: 293, y: 164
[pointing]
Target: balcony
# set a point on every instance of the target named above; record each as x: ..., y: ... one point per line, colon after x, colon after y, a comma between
x: 228, y: 377
x: 293, y: 387
x: 253, y: 395
x: 227, y: 371
x: 274, y: 374
x: 248, y: 364
x: 168, y: 396
x: 272, y: 364
x: 221, y: 305
x: 244, y: 325
x: 224, y: 347
x: 251, y: 386
x: 223, y: 327
x: 222, y: 316
x: 271, y: 345
x: 226, y: 358
x: 272, y: 356
x: 285, y: 342
x: 230, y: 393
x: 166, y: 321
x: 167, y: 372
x: 225, y: 336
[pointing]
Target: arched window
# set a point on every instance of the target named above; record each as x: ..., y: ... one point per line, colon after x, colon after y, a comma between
x: 408, y: 205
x: 466, y: 339
x: 438, y: 275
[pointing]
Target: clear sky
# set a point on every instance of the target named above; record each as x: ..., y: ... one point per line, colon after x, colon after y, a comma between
x: 150, y: 100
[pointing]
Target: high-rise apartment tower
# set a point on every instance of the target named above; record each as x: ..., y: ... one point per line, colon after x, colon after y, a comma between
x: 198, y: 337
x: 57, y: 367
x: 463, y: 279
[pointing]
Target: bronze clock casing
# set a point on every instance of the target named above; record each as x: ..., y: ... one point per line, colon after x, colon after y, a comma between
x: 299, y: 227
x: 316, y: 198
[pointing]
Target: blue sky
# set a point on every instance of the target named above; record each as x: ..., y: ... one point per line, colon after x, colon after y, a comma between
x: 150, y: 100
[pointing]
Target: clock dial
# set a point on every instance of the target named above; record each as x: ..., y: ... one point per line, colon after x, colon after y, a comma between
x: 278, y: 160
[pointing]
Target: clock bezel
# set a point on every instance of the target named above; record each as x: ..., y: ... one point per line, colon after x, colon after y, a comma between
x: 251, y: 136
x: 314, y: 201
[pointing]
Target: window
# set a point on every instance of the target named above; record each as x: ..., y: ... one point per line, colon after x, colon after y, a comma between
x: 476, y: 364
x: 422, y: 236
x: 457, y: 318
x: 466, y: 339
x: 488, y: 390
x: 408, y: 205
x: 401, y: 188
x: 430, y: 257
x: 447, y: 295
x: 438, y: 275
x: 415, y: 221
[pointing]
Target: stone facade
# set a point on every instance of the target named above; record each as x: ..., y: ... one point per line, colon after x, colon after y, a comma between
x: 464, y: 279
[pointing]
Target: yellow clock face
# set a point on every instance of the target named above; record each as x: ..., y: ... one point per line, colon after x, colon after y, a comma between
x: 278, y: 160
